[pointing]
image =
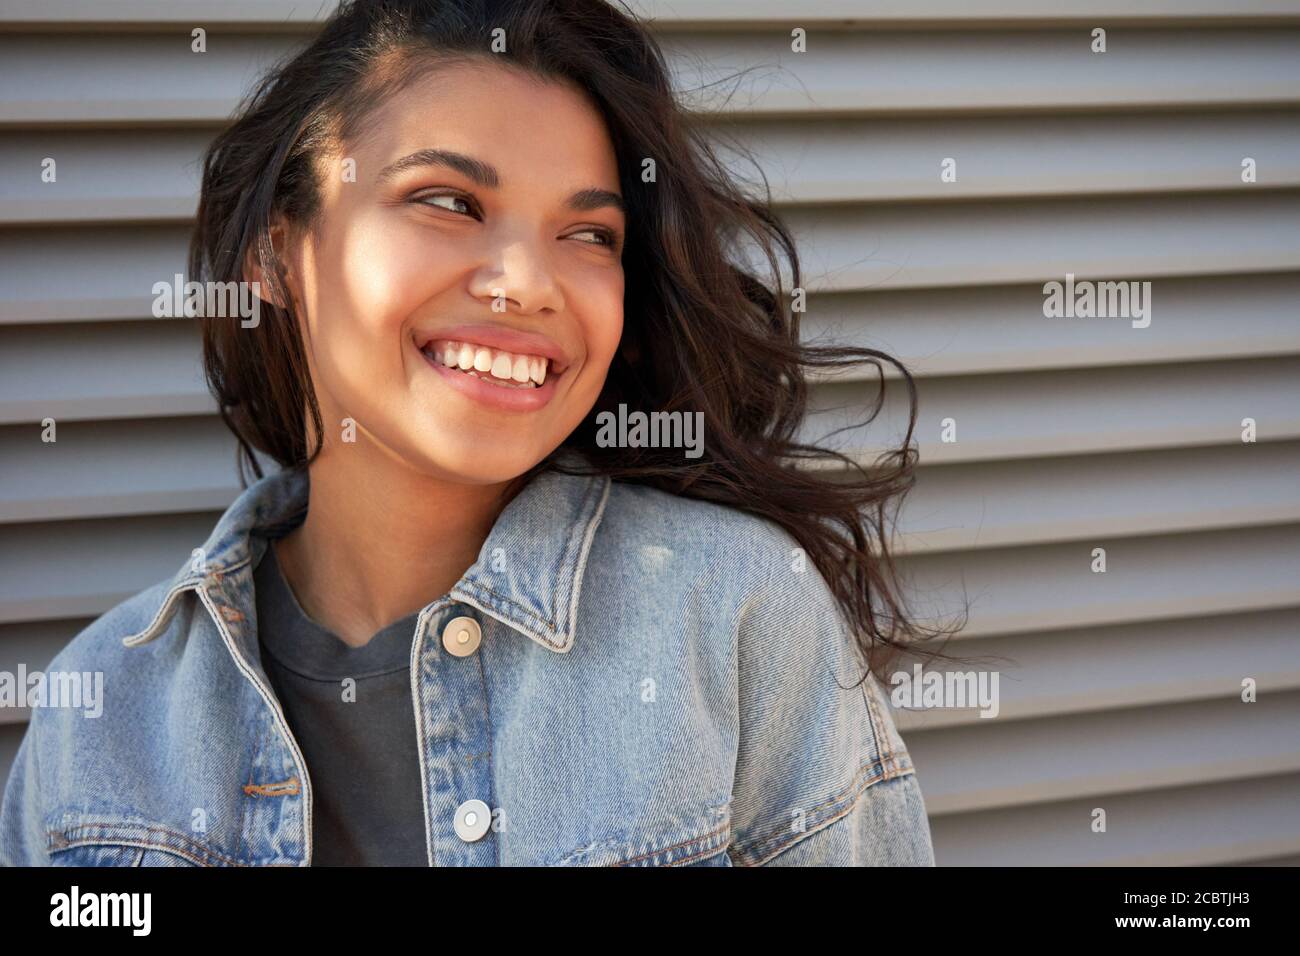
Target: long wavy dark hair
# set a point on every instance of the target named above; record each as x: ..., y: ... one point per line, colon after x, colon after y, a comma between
x: 701, y: 333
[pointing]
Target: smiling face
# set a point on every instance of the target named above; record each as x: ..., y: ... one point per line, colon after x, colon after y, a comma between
x: 477, y: 252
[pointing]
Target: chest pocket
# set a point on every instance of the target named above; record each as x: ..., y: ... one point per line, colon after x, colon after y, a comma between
x: 115, y: 854
x: 125, y: 843
x: 701, y: 840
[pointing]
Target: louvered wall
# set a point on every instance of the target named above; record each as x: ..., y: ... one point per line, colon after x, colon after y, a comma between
x: 1119, y: 690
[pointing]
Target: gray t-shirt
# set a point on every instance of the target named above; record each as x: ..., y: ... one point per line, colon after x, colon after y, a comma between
x: 358, y: 740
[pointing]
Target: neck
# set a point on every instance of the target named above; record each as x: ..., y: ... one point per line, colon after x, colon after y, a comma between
x: 381, y: 541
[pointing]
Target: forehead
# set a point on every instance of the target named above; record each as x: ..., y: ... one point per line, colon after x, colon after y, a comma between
x: 534, y: 130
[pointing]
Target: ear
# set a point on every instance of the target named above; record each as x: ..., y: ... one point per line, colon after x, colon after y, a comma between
x: 266, y: 288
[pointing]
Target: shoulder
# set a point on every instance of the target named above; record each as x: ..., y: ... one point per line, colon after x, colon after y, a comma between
x: 648, y: 526
x: 741, y: 578
x: 95, y: 668
x: 811, y: 734
x: 98, y: 646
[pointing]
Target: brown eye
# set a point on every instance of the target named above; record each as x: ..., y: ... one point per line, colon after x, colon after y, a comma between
x: 429, y: 200
x: 603, y: 237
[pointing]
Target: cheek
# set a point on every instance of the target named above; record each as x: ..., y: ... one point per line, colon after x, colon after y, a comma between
x: 372, y: 279
x: 603, y: 325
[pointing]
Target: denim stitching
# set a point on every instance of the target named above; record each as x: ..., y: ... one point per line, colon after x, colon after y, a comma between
x: 285, y: 788
x: 60, y: 840
x: 880, y: 731
x: 756, y: 851
x: 619, y: 841
x: 706, y: 838
x: 134, y: 640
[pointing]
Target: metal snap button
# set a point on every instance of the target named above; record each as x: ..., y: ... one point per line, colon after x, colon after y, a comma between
x: 461, y: 636
x: 473, y: 817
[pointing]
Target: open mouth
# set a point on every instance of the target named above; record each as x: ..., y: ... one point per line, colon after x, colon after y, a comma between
x: 496, y: 366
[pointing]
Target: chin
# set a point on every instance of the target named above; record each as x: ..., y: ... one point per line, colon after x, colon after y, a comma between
x: 478, y: 463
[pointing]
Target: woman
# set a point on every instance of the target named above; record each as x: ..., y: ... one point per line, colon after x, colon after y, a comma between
x: 469, y: 622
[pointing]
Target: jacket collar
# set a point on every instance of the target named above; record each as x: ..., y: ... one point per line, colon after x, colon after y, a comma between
x: 528, y: 574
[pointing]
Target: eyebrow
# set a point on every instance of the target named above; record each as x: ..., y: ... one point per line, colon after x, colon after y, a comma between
x: 487, y: 176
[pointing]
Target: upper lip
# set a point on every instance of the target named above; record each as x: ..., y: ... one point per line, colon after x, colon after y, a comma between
x: 500, y: 337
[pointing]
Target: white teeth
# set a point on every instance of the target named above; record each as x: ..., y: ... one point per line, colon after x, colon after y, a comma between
x: 497, y: 383
x: 501, y: 368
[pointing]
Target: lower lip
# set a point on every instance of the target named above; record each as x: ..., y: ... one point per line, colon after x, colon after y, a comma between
x: 497, y: 396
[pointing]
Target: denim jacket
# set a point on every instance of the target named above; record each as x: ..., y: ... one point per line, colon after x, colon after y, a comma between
x: 658, y: 681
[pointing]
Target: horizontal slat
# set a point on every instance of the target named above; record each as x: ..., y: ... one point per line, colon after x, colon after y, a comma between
x: 107, y: 176
x: 1104, y: 753
x: 136, y: 14
x: 109, y: 85
x: 895, y: 246
x: 908, y: 246
x: 1002, y: 328
x: 873, y: 73
x: 1071, y: 412
x: 1111, y: 668
x: 864, y: 72
x: 84, y: 568
x: 292, y: 14
x: 1211, y: 824
x: 998, y: 504
x: 101, y: 371
x: 1052, y: 586
x: 858, y: 160
x: 102, y: 469
x: 116, y: 269
x: 102, y: 175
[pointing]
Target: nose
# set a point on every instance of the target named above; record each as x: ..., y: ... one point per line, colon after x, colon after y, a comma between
x: 519, y: 271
